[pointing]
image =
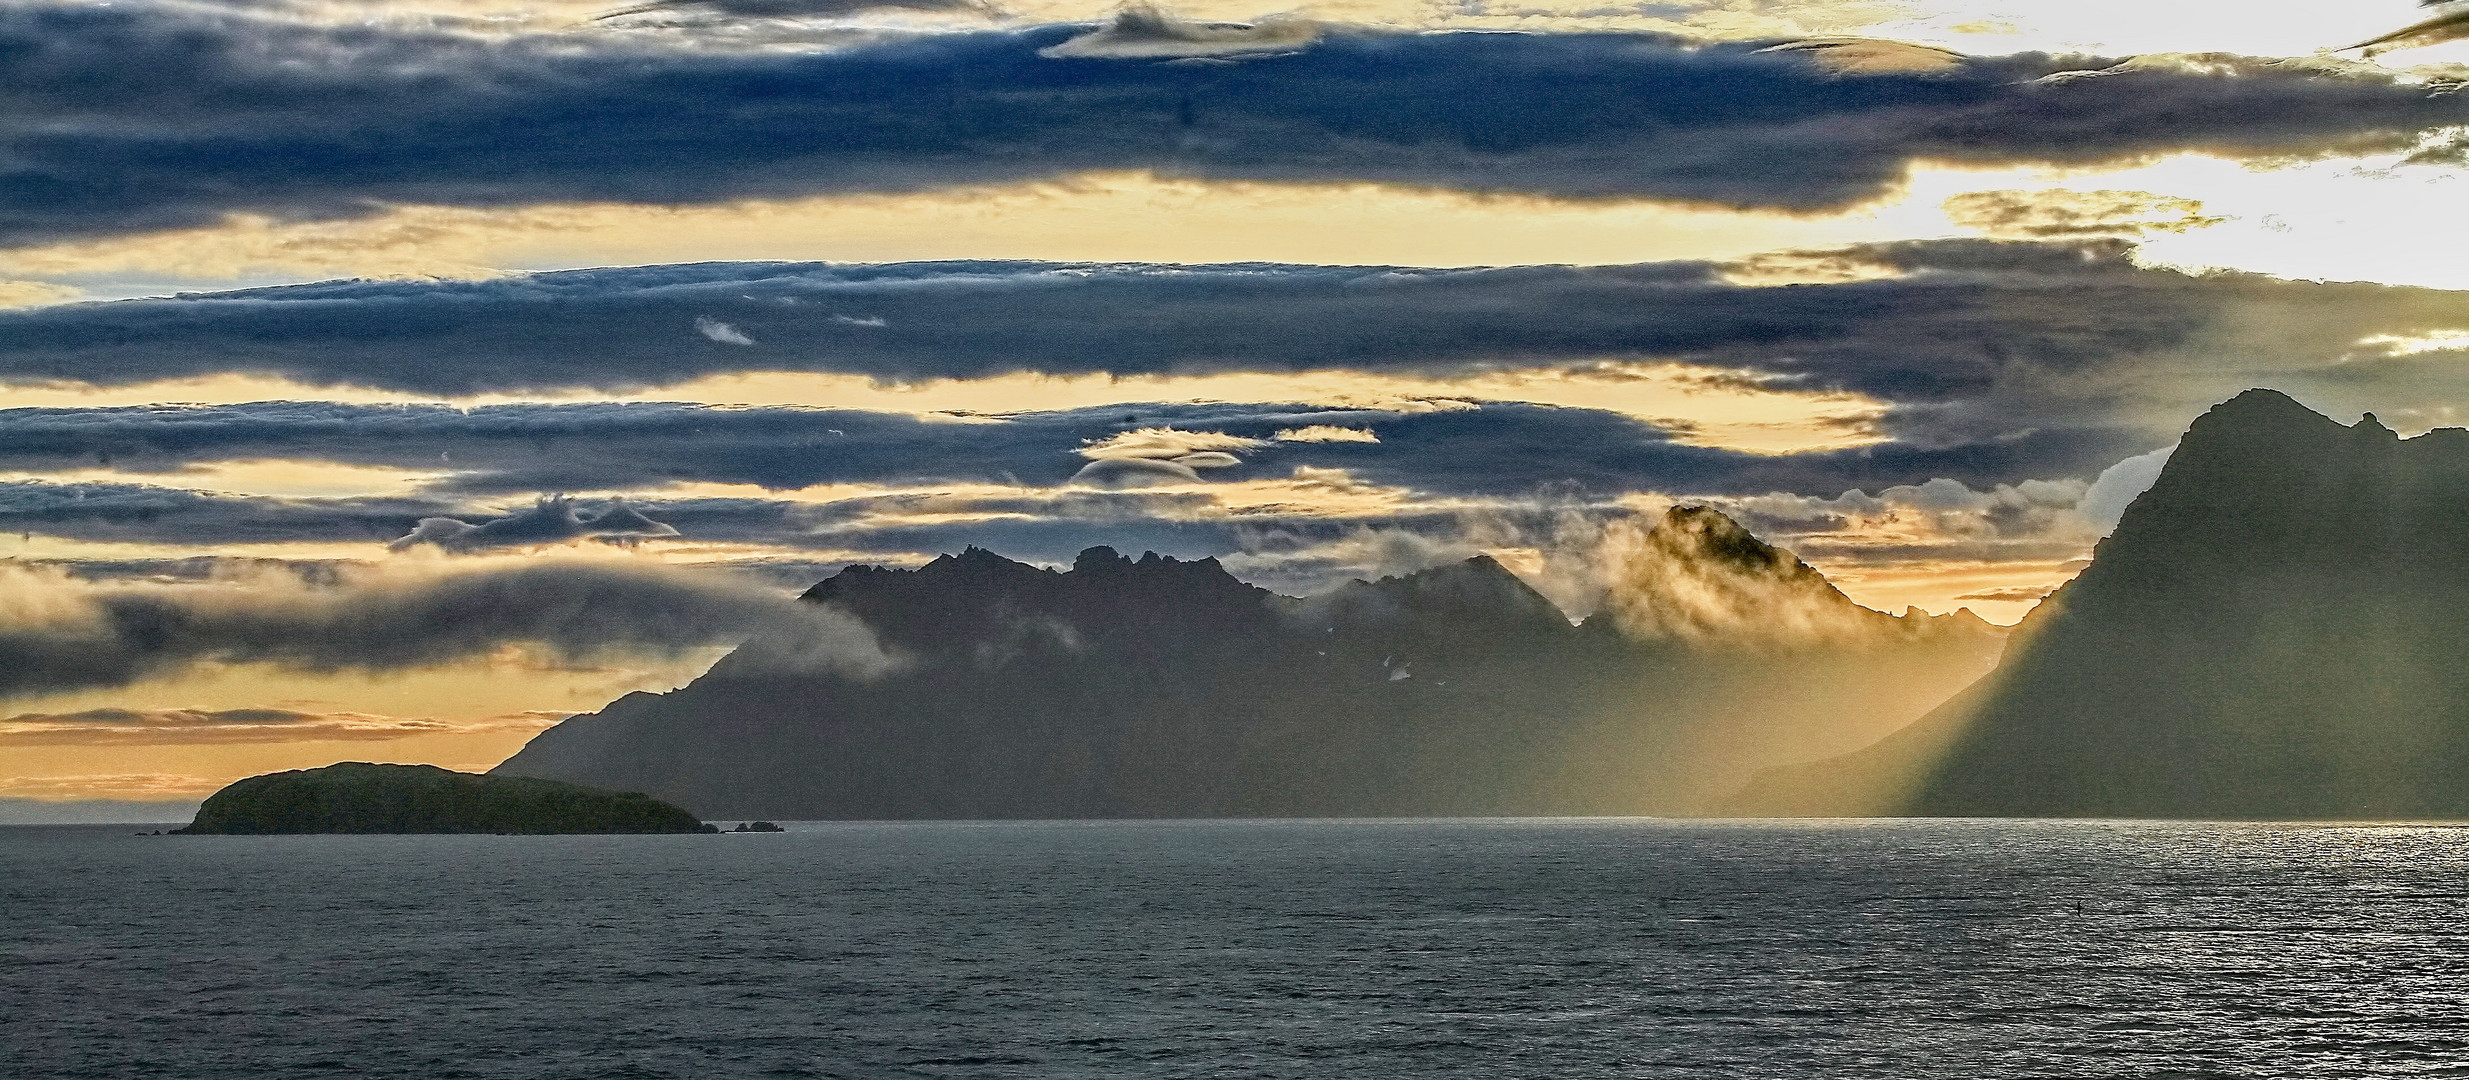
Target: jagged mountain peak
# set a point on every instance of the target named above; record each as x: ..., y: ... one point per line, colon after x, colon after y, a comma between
x: 1699, y: 577
x: 1103, y: 559
x: 981, y: 604
x: 975, y: 560
x: 1712, y: 535
x: 987, y: 568
x: 2259, y: 406
x: 1476, y: 569
x: 1161, y: 687
x: 1480, y: 583
x: 1099, y: 560
x: 2263, y: 481
x: 2272, y: 426
x: 1475, y: 596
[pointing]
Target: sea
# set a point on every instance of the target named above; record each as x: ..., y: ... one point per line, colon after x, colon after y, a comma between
x: 1319, y: 949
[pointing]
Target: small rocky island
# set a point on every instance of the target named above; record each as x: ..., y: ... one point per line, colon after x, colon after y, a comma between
x: 359, y: 797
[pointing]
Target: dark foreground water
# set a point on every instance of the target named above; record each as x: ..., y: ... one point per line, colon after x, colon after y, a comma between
x: 1475, y: 949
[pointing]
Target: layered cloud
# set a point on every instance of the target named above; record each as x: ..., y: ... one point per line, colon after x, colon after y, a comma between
x: 553, y: 520
x: 1938, y: 421
x: 154, y: 514
x: 124, y: 787
x: 2041, y: 215
x: 1945, y: 402
x: 707, y: 12
x: 212, y: 727
x: 150, y: 117
x: 679, y: 465
x: 1964, y: 340
x: 61, y: 633
x: 2050, y: 523
x: 1146, y: 32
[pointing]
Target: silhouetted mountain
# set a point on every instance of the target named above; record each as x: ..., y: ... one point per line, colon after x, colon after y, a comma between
x: 1165, y: 688
x: 2275, y: 630
x: 359, y: 797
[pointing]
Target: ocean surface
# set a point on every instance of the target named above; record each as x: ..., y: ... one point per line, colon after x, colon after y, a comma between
x: 1244, y: 949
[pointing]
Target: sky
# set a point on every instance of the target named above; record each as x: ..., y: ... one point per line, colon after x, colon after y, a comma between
x: 388, y: 379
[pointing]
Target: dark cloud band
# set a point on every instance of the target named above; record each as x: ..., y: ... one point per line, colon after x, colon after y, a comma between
x: 490, y: 453
x: 1969, y: 340
x: 120, y: 119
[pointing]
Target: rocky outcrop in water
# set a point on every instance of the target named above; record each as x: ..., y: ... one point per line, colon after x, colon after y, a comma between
x: 358, y: 797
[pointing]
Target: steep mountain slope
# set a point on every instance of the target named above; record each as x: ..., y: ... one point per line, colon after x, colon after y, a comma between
x: 1171, y: 689
x: 2275, y: 630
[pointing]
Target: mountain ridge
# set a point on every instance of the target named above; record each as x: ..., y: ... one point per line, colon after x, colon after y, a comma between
x: 1161, y: 687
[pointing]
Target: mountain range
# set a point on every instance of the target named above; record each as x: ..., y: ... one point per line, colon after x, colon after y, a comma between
x: 1165, y: 688
x: 2273, y: 631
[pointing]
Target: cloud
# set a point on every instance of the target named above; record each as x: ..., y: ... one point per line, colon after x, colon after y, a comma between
x: 2062, y: 214
x: 2447, y: 26
x: 1168, y: 443
x: 842, y: 475
x: 624, y: 525
x: 1134, y: 472
x: 1208, y: 460
x: 81, y: 810
x: 202, y: 727
x: 2387, y: 346
x: 1298, y: 526
x: 1158, y: 455
x: 701, y: 11
x: 721, y: 332
x: 61, y: 633
x: 2010, y: 596
x: 1869, y: 56
x: 1145, y: 32
x: 1938, y: 343
x: 1300, y: 562
x: 142, y: 513
x: 1694, y: 576
x: 1662, y: 571
x: 553, y: 520
x: 141, y: 118
x: 1326, y: 433
x: 188, y: 569
x: 2118, y: 486
x: 116, y: 786
x: 508, y: 449
x: 2034, y: 519
x: 36, y: 294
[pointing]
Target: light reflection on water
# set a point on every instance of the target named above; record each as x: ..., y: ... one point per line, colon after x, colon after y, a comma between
x: 1477, y: 949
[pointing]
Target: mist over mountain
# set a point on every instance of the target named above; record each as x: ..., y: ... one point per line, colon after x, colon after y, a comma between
x: 2275, y: 630
x: 1162, y: 688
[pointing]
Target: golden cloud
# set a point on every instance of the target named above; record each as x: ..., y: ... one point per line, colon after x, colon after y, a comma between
x: 1101, y: 217
x: 1326, y: 433
x: 135, y: 787
x: 2062, y: 214
x: 14, y: 294
x: 193, y: 727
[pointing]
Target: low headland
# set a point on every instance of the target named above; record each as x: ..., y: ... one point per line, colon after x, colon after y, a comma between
x: 359, y: 797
